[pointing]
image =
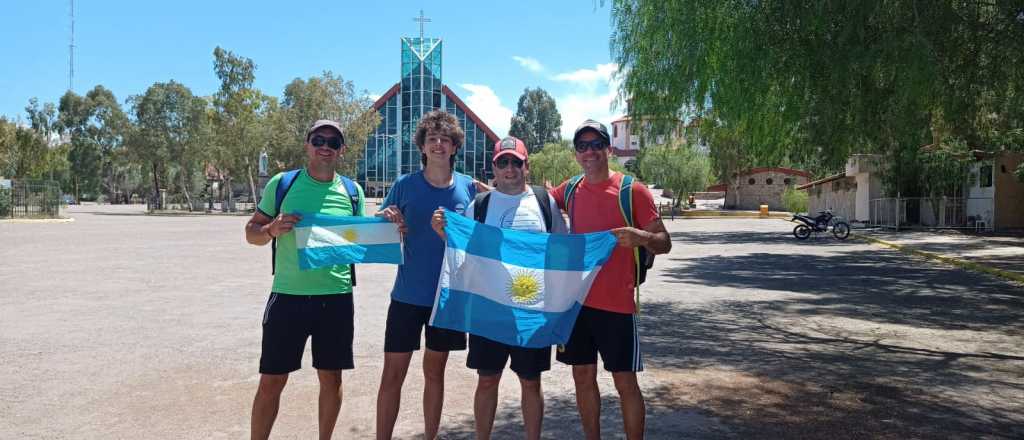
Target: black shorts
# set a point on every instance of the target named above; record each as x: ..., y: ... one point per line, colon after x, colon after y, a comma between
x: 612, y: 334
x: 405, y: 324
x: 489, y: 357
x: 288, y: 320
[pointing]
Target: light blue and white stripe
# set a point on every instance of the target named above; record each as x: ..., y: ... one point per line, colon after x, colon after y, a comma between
x: 515, y: 287
x: 326, y: 240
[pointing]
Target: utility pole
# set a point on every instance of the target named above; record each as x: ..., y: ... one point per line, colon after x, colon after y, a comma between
x: 71, y: 51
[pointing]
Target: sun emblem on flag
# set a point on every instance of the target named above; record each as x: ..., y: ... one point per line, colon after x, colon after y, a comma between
x: 350, y: 235
x: 525, y: 287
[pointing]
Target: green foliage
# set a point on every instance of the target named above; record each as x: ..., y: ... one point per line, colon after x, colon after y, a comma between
x: 553, y: 164
x: 794, y: 200
x: 808, y: 83
x: 5, y: 202
x: 537, y: 121
x: 678, y: 168
x: 327, y: 96
x: 168, y: 132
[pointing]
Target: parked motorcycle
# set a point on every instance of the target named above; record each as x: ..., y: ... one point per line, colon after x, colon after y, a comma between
x: 820, y: 223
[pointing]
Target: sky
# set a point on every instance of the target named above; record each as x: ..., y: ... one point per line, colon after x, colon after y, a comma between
x: 492, y: 50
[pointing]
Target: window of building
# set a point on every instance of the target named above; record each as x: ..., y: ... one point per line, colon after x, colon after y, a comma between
x: 768, y: 181
x: 615, y: 130
x: 751, y: 181
x: 787, y: 181
x: 985, y: 176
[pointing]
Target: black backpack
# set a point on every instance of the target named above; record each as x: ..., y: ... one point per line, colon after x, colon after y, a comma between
x: 483, y: 199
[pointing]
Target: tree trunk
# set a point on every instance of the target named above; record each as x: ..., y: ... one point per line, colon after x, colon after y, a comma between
x: 184, y: 189
x: 252, y: 185
x: 156, y: 188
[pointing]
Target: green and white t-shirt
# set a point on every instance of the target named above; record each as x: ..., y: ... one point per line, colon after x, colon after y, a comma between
x: 308, y: 196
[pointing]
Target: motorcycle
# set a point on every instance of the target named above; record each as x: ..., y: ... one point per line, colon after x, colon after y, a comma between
x: 820, y: 223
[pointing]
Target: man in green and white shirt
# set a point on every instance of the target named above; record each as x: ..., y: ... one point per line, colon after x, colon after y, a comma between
x: 310, y: 303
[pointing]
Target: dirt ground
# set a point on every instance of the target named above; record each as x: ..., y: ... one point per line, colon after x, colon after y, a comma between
x: 122, y: 325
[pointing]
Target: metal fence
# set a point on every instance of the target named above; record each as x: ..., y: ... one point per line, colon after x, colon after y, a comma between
x: 930, y: 212
x: 31, y: 199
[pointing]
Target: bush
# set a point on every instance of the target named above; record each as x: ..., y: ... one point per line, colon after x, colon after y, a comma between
x: 794, y: 200
x: 5, y: 202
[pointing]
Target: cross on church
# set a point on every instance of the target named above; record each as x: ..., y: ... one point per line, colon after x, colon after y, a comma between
x: 421, y: 19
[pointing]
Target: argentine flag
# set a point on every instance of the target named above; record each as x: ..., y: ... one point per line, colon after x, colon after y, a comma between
x: 328, y: 240
x: 515, y: 287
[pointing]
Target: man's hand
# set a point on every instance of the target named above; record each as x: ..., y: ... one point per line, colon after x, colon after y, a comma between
x: 282, y: 224
x: 632, y: 237
x: 481, y: 187
x: 394, y: 215
x: 438, y: 222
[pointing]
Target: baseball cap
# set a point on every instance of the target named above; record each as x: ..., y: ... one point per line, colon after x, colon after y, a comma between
x: 326, y: 123
x: 510, y: 145
x: 597, y: 127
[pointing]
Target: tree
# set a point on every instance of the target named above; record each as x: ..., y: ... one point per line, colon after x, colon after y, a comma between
x: 240, y: 116
x: 815, y: 81
x: 166, y: 137
x: 678, y: 168
x: 536, y: 121
x: 327, y: 96
x: 556, y: 163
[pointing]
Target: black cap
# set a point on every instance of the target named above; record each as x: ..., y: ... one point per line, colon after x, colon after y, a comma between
x: 597, y: 127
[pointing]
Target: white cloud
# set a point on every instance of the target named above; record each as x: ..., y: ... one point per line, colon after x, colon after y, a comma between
x: 589, y: 78
x: 373, y: 96
x: 590, y: 95
x: 528, y: 63
x: 486, y: 104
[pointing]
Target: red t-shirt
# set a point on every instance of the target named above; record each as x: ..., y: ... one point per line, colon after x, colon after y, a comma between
x: 596, y: 208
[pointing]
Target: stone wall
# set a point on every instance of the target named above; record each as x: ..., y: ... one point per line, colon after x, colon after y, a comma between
x: 839, y: 195
x: 750, y: 191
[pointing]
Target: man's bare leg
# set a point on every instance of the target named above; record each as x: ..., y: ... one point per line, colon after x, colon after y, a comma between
x: 533, y: 407
x: 632, y: 402
x: 265, y: 405
x: 485, y: 404
x: 330, y: 401
x: 588, y: 399
x: 389, y: 396
x: 433, y: 390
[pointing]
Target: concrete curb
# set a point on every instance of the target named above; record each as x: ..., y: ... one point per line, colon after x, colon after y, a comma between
x: 36, y: 220
x: 963, y: 264
x: 728, y: 214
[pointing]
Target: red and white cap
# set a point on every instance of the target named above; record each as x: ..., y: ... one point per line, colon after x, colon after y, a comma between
x: 510, y: 145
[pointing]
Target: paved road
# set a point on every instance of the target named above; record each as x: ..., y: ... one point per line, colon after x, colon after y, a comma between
x: 120, y: 325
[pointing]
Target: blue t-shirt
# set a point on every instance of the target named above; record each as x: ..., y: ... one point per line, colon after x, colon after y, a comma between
x: 416, y: 282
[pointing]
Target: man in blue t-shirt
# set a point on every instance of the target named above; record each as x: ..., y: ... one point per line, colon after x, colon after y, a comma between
x: 410, y: 203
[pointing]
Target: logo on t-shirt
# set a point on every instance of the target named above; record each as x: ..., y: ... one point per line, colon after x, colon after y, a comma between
x: 460, y: 208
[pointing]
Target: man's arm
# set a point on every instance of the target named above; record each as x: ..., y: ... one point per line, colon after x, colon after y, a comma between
x: 261, y: 229
x: 654, y: 237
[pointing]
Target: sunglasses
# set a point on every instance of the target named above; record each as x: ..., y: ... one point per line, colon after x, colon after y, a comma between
x: 596, y: 145
x: 331, y: 142
x: 505, y: 161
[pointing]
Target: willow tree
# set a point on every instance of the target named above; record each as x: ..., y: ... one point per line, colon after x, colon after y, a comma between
x: 804, y: 82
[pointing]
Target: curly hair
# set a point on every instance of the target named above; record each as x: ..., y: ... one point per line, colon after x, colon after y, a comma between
x: 441, y: 122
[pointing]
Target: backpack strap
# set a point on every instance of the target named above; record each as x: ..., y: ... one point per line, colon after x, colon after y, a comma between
x: 480, y: 202
x: 544, y: 200
x: 353, y: 195
x: 626, y: 208
x: 283, y: 186
x: 570, y: 192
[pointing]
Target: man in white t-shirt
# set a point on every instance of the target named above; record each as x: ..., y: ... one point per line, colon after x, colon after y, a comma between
x: 514, y: 205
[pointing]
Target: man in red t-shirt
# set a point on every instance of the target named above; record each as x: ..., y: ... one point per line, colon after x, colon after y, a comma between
x: 607, y: 322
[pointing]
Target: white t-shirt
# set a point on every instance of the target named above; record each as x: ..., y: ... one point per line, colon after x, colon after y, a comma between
x: 520, y: 211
